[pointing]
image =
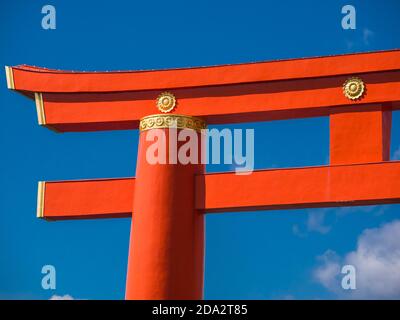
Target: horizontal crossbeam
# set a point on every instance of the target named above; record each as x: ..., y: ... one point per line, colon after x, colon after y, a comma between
x: 298, y: 88
x: 293, y: 188
x: 310, y: 187
x: 85, y: 199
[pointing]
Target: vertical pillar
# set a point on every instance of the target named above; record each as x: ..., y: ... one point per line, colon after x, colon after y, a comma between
x: 360, y: 136
x: 166, y: 250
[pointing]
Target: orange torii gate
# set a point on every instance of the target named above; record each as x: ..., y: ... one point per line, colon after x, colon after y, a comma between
x: 357, y: 91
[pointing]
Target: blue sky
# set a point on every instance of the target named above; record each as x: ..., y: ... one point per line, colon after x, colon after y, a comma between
x: 262, y: 255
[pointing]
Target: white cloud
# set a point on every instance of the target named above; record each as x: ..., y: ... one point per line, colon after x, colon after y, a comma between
x: 396, y: 154
x: 377, y: 210
x: 316, y: 222
x: 367, y: 35
x: 377, y: 263
x: 362, y: 39
x: 64, y: 297
x: 328, y: 271
x: 349, y: 45
x: 288, y: 297
x: 297, y: 232
x: 316, y: 219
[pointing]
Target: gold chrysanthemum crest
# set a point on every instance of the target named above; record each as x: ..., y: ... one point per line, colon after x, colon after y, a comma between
x: 353, y: 88
x: 166, y: 102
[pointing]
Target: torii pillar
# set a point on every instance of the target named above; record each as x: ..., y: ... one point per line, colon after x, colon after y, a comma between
x: 167, y: 238
x: 358, y: 92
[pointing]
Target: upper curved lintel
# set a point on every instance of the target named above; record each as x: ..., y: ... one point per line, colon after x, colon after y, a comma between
x: 37, y: 79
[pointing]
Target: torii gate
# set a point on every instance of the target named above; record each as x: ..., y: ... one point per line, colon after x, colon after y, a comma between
x: 357, y: 91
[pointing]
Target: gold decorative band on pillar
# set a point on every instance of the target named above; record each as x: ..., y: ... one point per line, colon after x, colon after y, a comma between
x: 160, y: 121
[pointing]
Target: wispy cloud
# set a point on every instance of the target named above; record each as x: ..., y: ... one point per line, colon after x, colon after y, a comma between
x: 396, y: 154
x: 315, y: 223
x: 64, y: 297
x: 360, y: 39
x: 328, y: 270
x: 297, y: 231
x: 377, y: 263
x: 376, y: 210
x: 288, y: 297
x: 317, y: 219
x: 367, y: 36
x: 349, y: 44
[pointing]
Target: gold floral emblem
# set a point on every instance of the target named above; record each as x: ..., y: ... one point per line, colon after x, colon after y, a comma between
x: 166, y: 102
x: 353, y: 88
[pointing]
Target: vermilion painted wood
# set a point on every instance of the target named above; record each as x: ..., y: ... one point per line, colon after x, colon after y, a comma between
x: 88, y: 199
x: 34, y: 79
x: 166, y: 249
x: 228, y: 104
x: 312, y: 187
x: 262, y: 91
x: 327, y: 186
x: 360, y: 137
